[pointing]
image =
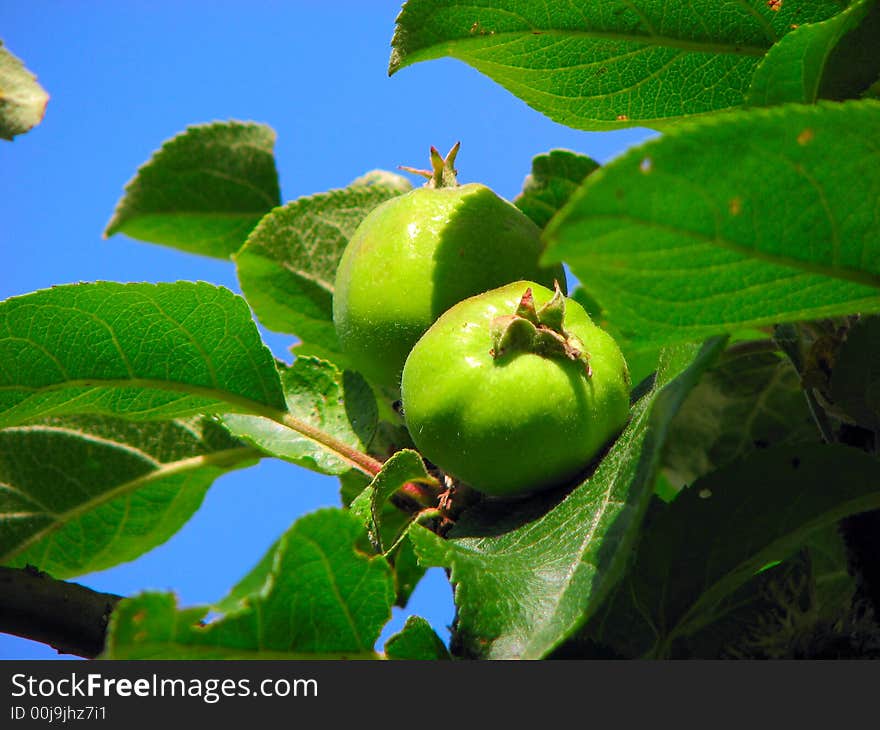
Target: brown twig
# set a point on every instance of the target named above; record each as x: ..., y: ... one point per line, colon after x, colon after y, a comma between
x: 67, y: 616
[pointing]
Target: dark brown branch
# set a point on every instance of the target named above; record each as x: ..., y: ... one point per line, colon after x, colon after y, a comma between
x: 67, y: 616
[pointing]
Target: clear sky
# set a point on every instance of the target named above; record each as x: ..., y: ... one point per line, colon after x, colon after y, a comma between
x: 125, y: 76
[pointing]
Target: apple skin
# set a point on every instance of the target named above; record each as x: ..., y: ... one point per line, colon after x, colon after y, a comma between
x: 414, y: 256
x: 519, y: 423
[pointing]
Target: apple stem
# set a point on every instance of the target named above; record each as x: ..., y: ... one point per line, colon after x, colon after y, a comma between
x: 423, y: 494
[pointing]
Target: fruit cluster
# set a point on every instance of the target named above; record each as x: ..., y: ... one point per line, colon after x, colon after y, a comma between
x: 506, y: 385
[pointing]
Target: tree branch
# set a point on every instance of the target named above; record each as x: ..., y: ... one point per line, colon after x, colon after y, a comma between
x: 67, y: 616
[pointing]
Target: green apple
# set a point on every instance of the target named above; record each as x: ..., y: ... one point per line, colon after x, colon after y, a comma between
x: 515, y: 390
x: 416, y: 255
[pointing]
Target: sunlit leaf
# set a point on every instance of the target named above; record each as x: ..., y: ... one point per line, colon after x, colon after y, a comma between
x: 22, y: 100
x: 321, y: 599
x: 740, y: 221
x: 83, y: 493
x: 600, y: 65
x: 203, y: 190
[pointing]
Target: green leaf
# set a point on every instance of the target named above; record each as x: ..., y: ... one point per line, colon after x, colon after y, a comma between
x: 744, y: 403
x: 601, y: 65
x: 81, y: 494
x: 339, y: 404
x: 404, y: 466
x: 203, y: 191
x: 22, y: 100
x: 715, y: 536
x: 140, y: 351
x: 554, y: 177
x: 322, y: 599
x: 641, y: 359
x: 740, y: 221
x: 159, y: 351
x: 384, y: 179
x: 757, y: 615
x: 252, y: 583
x: 525, y: 577
x: 757, y: 607
x: 393, y: 523
x: 407, y: 571
x: 417, y: 641
x: 833, y: 586
x: 287, y: 267
x: 855, y: 378
x: 854, y: 64
x: 590, y: 305
x: 794, y: 69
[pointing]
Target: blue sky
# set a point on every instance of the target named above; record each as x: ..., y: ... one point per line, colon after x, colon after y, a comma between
x: 125, y: 76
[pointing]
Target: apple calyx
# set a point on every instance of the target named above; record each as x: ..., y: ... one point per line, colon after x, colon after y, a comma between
x: 442, y: 173
x: 538, y: 331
